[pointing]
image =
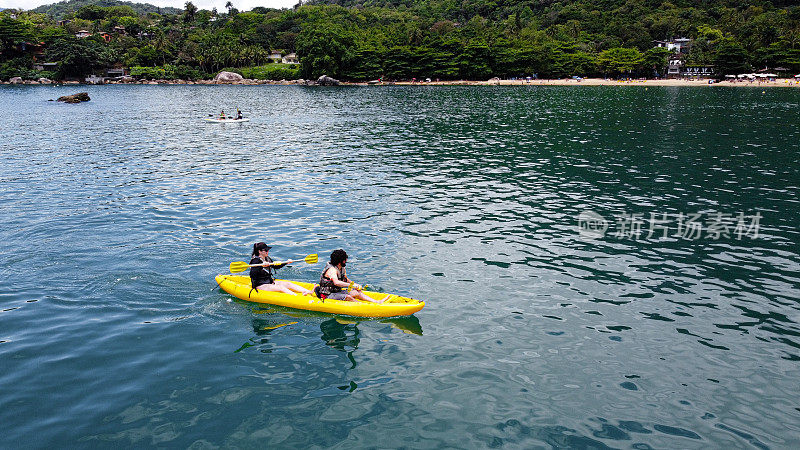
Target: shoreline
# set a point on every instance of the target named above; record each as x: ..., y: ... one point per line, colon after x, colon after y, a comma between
x: 780, y: 82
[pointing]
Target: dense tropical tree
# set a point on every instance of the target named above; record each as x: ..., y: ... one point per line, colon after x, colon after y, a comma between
x: 731, y: 58
x: 91, y: 12
x: 325, y: 49
x: 620, y: 60
x: 77, y: 57
x: 189, y: 12
x: 12, y: 33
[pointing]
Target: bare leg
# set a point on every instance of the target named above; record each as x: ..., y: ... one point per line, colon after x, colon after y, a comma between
x: 274, y: 288
x: 362, y: 296
x: 294, y: 287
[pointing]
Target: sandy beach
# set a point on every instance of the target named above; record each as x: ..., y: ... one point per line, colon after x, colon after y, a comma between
x: 780, y: 82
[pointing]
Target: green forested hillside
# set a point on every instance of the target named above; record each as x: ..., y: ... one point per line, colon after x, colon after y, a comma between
x: 478, y: 38
x: 404, y: 39
x: 613, y: 22
x: 62, y: 9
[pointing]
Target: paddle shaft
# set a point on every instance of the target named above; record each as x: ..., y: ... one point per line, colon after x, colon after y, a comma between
x: 274, y: 263
x: 239, y: 266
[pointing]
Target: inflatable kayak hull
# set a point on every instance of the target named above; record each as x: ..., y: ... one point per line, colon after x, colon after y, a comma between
x: 227, y: 120
x: 240, y: 287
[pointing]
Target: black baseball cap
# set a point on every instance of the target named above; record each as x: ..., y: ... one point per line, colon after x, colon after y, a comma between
x: 261, y: 246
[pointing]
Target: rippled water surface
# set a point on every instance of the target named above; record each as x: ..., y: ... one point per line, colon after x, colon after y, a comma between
x: 118, y: 213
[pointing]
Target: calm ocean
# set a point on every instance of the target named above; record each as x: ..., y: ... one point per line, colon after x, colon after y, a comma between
x: 602, y: 267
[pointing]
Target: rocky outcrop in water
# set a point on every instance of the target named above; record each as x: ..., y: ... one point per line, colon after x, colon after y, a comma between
x: 325, y: 80
x: 75, y: 98
x: 15, y: 80
x: 228, y: 77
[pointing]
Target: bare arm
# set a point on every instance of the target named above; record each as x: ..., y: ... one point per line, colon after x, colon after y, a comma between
x: 331, y: 274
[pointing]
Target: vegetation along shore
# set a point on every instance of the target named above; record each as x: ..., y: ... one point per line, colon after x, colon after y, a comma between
x: 585, y: 42
x: 557, y: 82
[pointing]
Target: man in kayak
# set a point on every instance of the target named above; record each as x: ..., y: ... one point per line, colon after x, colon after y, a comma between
x: 238, y: 114
x: 334, y: 281
x: 261, y: 276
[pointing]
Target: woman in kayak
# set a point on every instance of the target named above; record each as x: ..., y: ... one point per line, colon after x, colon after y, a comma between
x: 261, y: 276
x: 334, y: 280
x: 222, y: 115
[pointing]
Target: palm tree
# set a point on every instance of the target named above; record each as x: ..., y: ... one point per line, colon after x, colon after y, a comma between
x: 161, y: 44
x: 189, y: 10
x: 229, y: 6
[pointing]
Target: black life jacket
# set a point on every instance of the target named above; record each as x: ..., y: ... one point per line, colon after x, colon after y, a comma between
x: 261, y: 275
x: 326, y: 286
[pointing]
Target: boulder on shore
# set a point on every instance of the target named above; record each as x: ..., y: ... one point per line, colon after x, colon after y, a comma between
x: 325, y: 80
x: 16, y: 80
x: 45, y: 81
x: 75, y: 98
x: 228, y: 77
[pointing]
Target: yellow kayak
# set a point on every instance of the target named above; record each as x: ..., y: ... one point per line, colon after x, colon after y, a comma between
x: 240, y: 287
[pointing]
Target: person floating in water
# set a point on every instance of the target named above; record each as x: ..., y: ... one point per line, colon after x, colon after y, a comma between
x: 334, y: 281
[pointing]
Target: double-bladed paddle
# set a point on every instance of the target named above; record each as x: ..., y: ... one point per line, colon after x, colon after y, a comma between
x: 241, y: 266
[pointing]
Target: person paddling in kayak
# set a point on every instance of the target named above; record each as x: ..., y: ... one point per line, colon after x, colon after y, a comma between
x: 222, y: 115
x: 239, y: 115
x: 261, y: 276
x: 334, y: 281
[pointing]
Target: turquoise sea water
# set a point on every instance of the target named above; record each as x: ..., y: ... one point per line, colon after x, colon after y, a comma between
x: 118, y: 213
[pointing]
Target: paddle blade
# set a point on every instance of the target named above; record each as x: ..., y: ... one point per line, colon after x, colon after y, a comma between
x: 238, y: 266
x: 312, y: 259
